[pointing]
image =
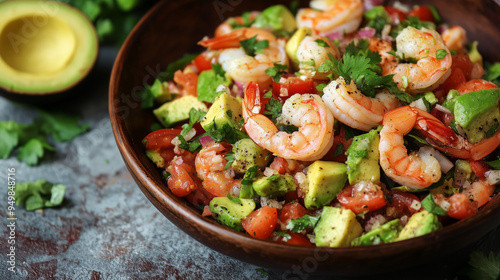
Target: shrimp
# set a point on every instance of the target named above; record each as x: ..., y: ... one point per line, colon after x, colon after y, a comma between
x: 455, y: 38
x: 228, y: 26
x: 326, y: 16
x: 244, y: 68
x: 355, y: 109
x: 417, y: 170
x: 306, y: 111
x: 209, y: 165
x: 310, y: 55
x: 466, y: 203
x: 433, y: 61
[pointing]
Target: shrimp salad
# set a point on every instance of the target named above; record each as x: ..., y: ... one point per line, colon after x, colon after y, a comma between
x: 333, y: 125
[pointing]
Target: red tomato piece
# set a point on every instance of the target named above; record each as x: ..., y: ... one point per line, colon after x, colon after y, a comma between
x: 475, y: 85
x: 202, y: 62
x: 461, y: 206
x: 261, y: 222
x: 160, y: 141
x: 295, y: 239
x: 479, y: 168
x: 397, y: 16
x: 362, y: 198
x: 292, y: 211
x: 402, y: 202
x: 338, y: 139
x: 423, y: 13
x: 291, y: 86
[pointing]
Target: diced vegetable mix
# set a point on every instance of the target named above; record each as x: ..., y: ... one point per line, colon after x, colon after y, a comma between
x: 308, y: 133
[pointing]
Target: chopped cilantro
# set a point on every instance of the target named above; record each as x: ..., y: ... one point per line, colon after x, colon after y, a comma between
x: 277, y: 71
x: 320, y: 87
x: 321, y: 43
x: 441, y: 53
x: 193, y: 145
x: 230, y: 159
x: 195, y: 116
x: 302, y: 223
x: 268, y: 94
x: 227, y: 132
x: 246, y: 21
x: 495, y: 164
x: 377, y: 18
x: 62, y: 127
x: 493, y: 129
x: 273, y: 109
x: 492, y: 72
x: 273, y: 178
x: 252, y: 46
x: 234, y: 199
x: 39, y: 194
x: 286, y: 236
x: 429, y: 205
x: 339, y: 149
x: 250, y: 175
x: 217, y: 67
x: 288, y: 128
x: 33, y: 150
x: 180, y: 63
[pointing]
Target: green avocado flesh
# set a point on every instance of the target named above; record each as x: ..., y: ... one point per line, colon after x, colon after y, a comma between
x: 45, y: 46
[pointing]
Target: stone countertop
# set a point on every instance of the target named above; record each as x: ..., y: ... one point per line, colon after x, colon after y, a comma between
x: 106, y: 228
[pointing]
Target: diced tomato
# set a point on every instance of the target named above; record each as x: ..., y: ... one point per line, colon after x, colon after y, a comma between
x: 202, y: 62
x: 261, y: 222
x: 423, y: 13
x: 292, y: 85
x: 402, y: 202
x: 461, y: 69
x: 180, y: 182
x: 160, y: 141
x: 362, y: 198
x: 292, y: 211
x: 397, y: 16
x: 199, y: 196
x: 206, y: 211
x: 338, y: 139
x: 479, y: 168
x: 461, y: 206
x: 295, y: 239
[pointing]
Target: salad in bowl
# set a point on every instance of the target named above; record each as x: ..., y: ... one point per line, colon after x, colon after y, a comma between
x: 341, y: 124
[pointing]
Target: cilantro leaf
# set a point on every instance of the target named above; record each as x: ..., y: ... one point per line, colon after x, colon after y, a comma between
x: 227, y: 132
x: 217, y: 67
x: 62, y: 127
x: 273, y: 109
x: 251, y: 46
x: 250, y: 175
x: 484, y: 267
x: 321, y: 43
x: 286, y: 236
x: 492, y: 72
x: 235, y: 24
x: 193, y: 145
x: 234, y: 199
x: 180, y: 63
x: 302, y: 223
x: 277, y: 71
x: 429, y: 205
x: 230, y: 160
x: 495, y: 164
x: 39, y: 194
x: 9, y: 139
x: 195, y: 116
x: 339, y: 149
x: 441, y: 53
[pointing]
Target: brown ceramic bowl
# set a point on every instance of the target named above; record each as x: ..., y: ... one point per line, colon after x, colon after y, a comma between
x: 171, y: 29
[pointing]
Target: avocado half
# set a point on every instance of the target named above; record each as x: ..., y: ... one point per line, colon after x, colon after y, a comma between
x: 46, y: 47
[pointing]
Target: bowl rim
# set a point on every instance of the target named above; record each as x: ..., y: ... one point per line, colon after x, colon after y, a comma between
x: 171, y: 207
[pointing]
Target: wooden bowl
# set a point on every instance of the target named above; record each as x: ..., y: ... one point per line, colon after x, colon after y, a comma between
x: 171, y: 29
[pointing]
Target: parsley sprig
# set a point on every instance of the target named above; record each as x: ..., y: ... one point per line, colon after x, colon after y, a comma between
x: 277, y: 71
x: 360, y: 64
x: 251, y: 46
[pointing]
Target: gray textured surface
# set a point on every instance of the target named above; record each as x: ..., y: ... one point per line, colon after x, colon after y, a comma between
x: 106, y: 228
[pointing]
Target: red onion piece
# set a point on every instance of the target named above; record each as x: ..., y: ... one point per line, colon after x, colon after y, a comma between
x: 206, y: 141
x: 366, y: 32
x: 334, y: 36
x: 370, y: 4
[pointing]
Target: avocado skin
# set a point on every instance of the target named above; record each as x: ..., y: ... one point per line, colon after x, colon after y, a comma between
x: 386, y: 233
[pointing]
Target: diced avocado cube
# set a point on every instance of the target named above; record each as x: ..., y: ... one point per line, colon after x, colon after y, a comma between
x: 276, y: 18
x: 386, y: 233
x: 207, y: 85
x: 326, y: 180
x: 477, y: 112
x: 336, y: 227
x: 363, y: 158
x: 230, y: 213
x: 274, y: 186
x: 449, y: 102
x: 156, y: 158
x: 419, y: 224
x: 248, y: 154
x: 246, y: 191
x: 226, y: 109
x: 160, y: 91
x: 293, y: 44
x: 177, y: 110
